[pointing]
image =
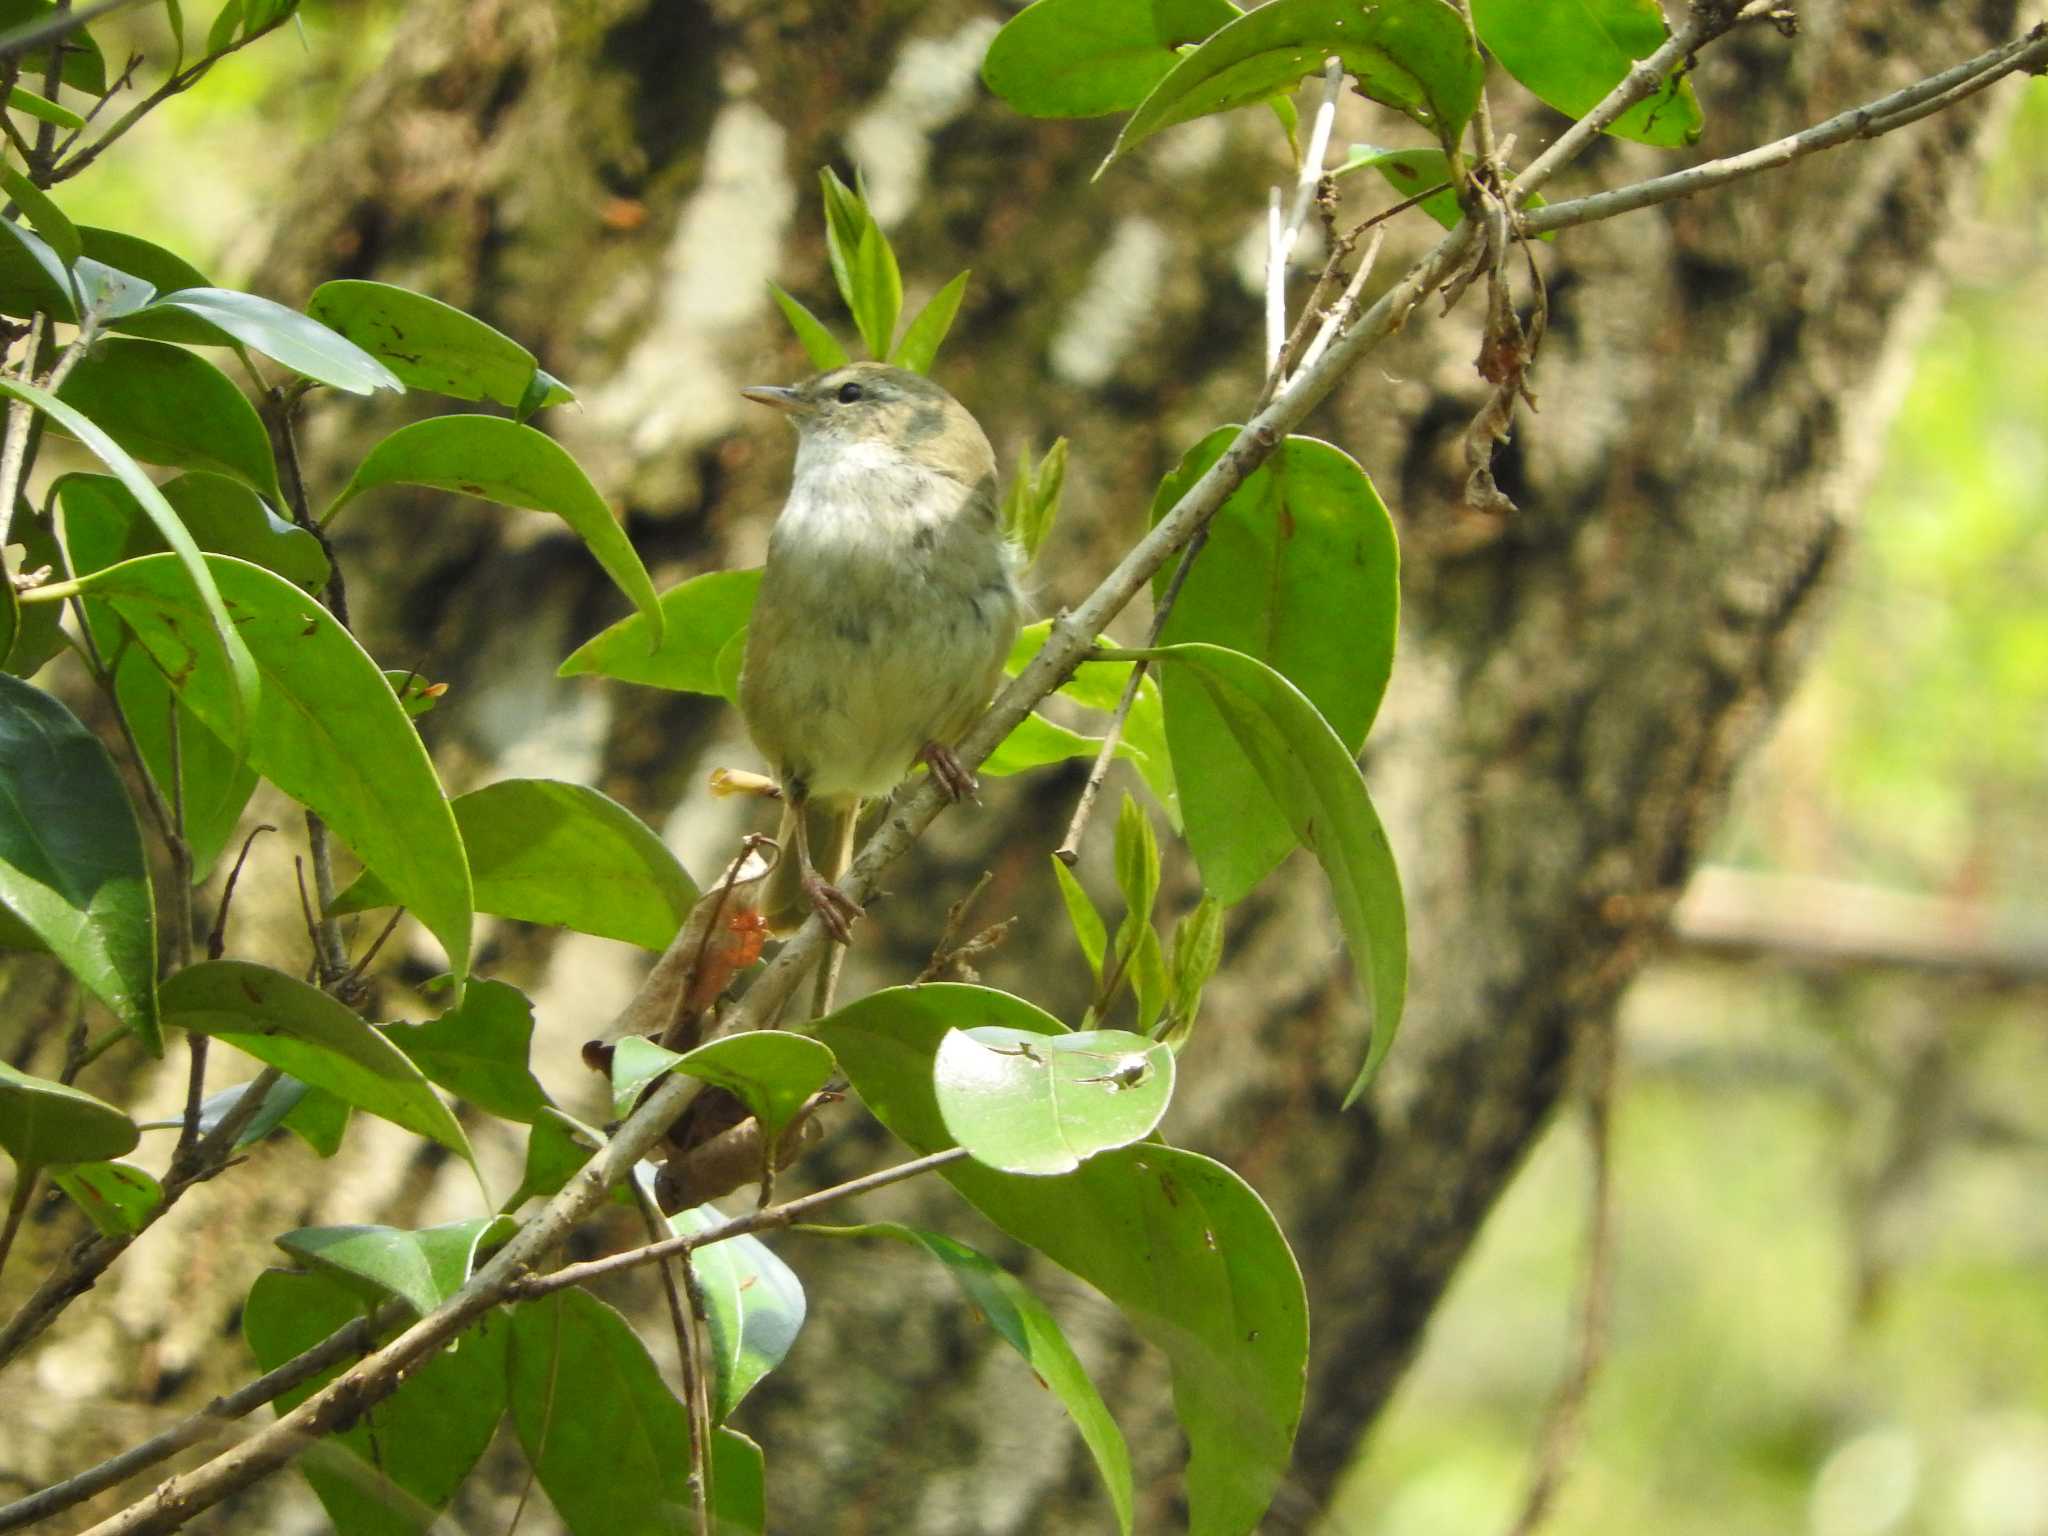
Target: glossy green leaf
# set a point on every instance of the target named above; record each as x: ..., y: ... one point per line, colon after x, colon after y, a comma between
x: 1100, y: 685
x: 877, y: 290
x: 21, y: 99
x: 1309, y: 775
x: 700, y: 619
x: 31, y: 278
x: 43, y: 212
x: 165, y: 405
x: 227, y: 21
x: 1148, y: 978
x: 224, y: 517
x: 38, y: 629
x: 818, y: 342
x: 1301, y: 571
x: 1028, y: 1102
x: 542, y: 390
x: 1415, y: 56
x: 1414, y: 172
x: 516, y: 466
x: 1087, y: 922
x: 1084, y: 58
x: 84, y: 67
x: 32, y: 274
x: 328, y: 731
x: 214, y: 783
x: 753, y: 1303
x: 1137, y: 869
x: 416, y: 692
x: 740, y: 1477
x: 42, y: 1122
x: 299, y: 1029
x: 312, y: 1114
x: 117, y: 1198
x: 543, y: 851
x: 1179, y: 1243
x: 422, y: 1268
x: 1036, y: 742
x: 72, y: 867
x: 479, y: 1050
x: 427, y: 344
x: 187, y: 576
x: 1571, y: 53
x: 285, y: 336
x: 771, y: 1071
x: 556, y: 1148
x: 1197, y: 951
x: 390, y: 1472
x: 923, y: 337
x: 608, y: 1441
x: 1021, y: 1320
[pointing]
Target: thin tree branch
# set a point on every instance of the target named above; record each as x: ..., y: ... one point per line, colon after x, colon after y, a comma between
x: 688, y: 1360
x: 350, y: 1339
x: 2028, y: 53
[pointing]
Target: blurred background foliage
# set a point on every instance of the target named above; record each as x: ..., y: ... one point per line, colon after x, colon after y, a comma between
x: 1829, y: 1305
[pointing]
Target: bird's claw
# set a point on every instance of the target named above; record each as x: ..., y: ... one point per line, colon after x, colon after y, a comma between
x: 952, y: 776
x: 834, y: 906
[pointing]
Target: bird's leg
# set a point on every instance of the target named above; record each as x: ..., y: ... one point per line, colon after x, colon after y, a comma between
x: 830, y: 903
x: 952, y: 776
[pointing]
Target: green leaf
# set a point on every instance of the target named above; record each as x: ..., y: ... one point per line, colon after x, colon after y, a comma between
x: 555, y: 1149
x: 388, y: 1473
x: 479, y: 1051
x: 38, y: 633
x: 422, y: 1269
x: 877, y: 290
x: 328, y: 730
x: 771, y: 1071
x: 753, y: 1302
x: 1021, y: 1320
x: 1179, y: 1243
x: 1035, y: 742
x: 819, y: 344
x: 607, y: 1439
x: 1100, y: 685
x: 215, y: 784
x: 1137, y: 870
x: 1028, y: 1102
x: 32, y: 274
x: 189, y: 575
x: 312, y: 1114
x: 1301, y: 571
x: 1081, y: 913
x: 42, y: 1122
x: 543, y: 851
x: 303, y: 345
x: 105, y: 524
x: 226, y: 23
x: 44, y: 213
x: 117, y: 1198
x: 739, y: 1478
x: 72, y: 867
x: 21, y: 99
x: 84, y: 67
x: 1197, y: 950
x: 1148, y: 978
x: 1309, y: 774
x: 165, y: 405
x: 925, y: 334
x: 1412, y: 172
x: 1571, y: 53
x: 1415, y: 56
x: 430, y: 345
x: 516, y: 466
x: 700, y: 619
x: 542, y: 391
x: 1085, y: 58
x: 299, y: 1029
x: 415, y: 692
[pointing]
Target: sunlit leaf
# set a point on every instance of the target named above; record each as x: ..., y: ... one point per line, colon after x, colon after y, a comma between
x: 42, y: 1122
x: 1571, y: 53
x: 752, y: 1301
x: 1028, y: 1102
x: 117, y: 1198
x: 427, y: 344
x: 700, y: 619
x: 1084, y: 58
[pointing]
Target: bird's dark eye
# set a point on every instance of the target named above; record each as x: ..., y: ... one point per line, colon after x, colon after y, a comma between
x: 848, y: 393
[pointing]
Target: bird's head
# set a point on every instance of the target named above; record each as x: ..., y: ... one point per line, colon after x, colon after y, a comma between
x: 875, y: 406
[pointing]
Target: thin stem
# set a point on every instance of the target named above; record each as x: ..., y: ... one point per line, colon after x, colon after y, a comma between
x: 14, y: 450
x: 687, y: 1360
x: 1283, y: 236
x: 217, y: 940
x: 1276, y: 282
x: 1864, y: 122
x: 46, y: 132
x: 349, y: 1339
x: 25, y: 1180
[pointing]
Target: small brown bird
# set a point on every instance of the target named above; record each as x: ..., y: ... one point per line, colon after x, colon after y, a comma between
x: 888, y: 606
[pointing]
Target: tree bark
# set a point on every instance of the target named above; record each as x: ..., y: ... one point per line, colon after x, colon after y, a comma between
x: 614, y: 183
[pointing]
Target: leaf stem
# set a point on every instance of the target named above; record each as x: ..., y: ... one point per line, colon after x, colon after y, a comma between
x: 25, y: 1180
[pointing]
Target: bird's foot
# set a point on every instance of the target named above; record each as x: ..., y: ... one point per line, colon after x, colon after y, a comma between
x: 952, y: 776
x: 833, y: 905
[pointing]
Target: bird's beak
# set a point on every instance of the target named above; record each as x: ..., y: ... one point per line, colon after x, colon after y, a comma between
x: 780, y: 396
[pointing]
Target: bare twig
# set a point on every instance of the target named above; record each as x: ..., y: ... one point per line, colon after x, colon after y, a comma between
x: 14, y: 450
x: 689, y: 1358
x: 217, y: 941
x: 1898, y: 109
x: 1283, y: 235
x: 25, y: 1181
x: 350, y: 1339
